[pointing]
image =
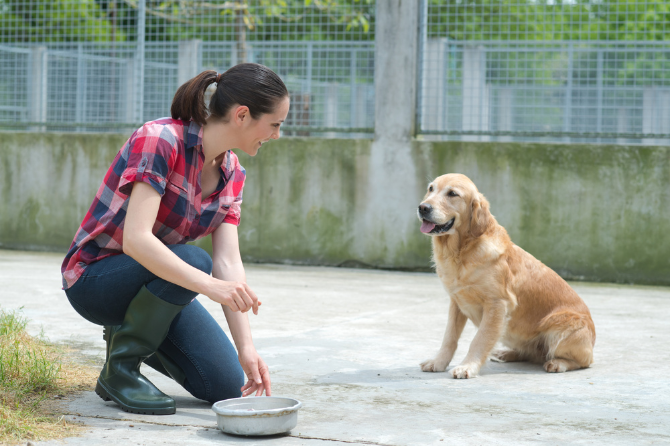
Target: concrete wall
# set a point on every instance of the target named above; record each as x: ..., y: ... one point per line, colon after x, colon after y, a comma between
x: 590, y: 212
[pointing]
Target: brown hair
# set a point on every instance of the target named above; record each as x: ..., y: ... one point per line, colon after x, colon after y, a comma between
x: 250, y: 84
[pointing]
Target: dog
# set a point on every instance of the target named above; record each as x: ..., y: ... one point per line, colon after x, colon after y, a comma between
x: 507, y: 293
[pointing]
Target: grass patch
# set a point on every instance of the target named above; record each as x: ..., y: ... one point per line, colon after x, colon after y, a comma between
x: 34, y: 376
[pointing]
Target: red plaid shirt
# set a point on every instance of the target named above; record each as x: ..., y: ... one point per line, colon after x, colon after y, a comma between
x: 167, y: 154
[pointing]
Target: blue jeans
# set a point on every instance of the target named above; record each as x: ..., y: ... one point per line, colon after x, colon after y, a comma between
x: 195, y: 340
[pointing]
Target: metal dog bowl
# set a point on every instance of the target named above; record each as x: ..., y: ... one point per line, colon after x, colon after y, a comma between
x: 263, y: 415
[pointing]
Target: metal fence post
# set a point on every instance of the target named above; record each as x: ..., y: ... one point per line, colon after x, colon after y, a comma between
x: 567, y: 105
x: 352, y: 93
x: 648, y: 107
x: 139, y: 62
x: 475, y: 91
x: 421, y: 69
x: 80, y: 101
x: 599, y: 86
x: 38, y: 87
x: 310, y: 64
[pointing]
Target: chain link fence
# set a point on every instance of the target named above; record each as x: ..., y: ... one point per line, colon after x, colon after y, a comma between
x: 110, y: 65
x: 507, y: 70
x: 573, y: 71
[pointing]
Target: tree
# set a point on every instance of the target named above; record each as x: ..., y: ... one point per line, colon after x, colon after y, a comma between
x: 550, y: 20
x: 53, y: 21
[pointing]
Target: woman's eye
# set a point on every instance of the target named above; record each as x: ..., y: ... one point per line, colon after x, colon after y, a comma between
x: 451, y: 193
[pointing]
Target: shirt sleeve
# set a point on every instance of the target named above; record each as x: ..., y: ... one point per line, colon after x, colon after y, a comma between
x: 233, y: 216
x: 149, y: 157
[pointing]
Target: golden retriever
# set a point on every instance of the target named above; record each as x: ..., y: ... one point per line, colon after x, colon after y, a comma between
x: 507, y: 293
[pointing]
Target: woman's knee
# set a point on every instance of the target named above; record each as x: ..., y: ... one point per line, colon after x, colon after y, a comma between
x: 194, y: 256
x: 218, y: 386
x: 227, y: 386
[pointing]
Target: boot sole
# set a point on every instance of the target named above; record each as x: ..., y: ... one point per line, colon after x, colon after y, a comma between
x: 107, y: 396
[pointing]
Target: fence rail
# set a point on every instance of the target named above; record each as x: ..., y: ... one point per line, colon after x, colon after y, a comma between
x: 524, y: 71
x: 90, y: 85
x: 574, y: 90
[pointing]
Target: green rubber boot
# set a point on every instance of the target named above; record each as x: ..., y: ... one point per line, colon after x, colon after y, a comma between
x: 158, y: 361
x: 162, y: 363
x: 143, y: 329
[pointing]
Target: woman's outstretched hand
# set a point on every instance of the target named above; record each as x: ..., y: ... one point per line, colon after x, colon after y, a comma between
x: 237, y: 296
x: 257, y: 372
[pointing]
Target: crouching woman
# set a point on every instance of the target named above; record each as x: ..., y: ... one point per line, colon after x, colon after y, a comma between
x: 130, y: 270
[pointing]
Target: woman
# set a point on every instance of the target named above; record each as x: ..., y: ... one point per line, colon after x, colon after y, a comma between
x: 129, y: 269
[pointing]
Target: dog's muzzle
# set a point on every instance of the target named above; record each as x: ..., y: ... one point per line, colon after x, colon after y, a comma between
x: 427, y: 226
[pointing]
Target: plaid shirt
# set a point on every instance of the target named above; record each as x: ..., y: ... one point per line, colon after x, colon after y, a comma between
x: 167, y: 154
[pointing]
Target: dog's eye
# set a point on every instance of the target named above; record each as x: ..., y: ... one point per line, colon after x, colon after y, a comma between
x: 430, y: 188
x: 451, y: 193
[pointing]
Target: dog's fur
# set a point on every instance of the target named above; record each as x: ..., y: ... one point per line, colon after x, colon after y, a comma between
x: 507, y: 293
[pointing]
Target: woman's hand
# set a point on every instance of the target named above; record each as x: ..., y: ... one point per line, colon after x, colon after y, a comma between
x: 237, y: 296
x: 257, y: 372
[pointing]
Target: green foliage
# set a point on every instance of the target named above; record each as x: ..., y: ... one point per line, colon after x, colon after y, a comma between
x: 259, y: 20
x: 318, y: 20
x: 550, y: 20
x: 55, y: 21
x: 172, y: 20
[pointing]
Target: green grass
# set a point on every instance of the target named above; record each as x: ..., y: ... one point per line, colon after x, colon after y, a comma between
x: 33, y: 373
x: 26, y: 364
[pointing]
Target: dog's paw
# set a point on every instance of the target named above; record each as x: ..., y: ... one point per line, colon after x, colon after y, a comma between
x: 556, y: 366
x: 503, y: 355
x: 433, y: 365
x: 465, y: 371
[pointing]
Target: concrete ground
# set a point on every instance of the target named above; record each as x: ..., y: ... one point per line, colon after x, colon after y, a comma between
x: 348, y: 343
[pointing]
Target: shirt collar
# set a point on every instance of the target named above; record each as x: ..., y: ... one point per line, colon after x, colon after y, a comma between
x: 227, y: 166
x: 194, y: 136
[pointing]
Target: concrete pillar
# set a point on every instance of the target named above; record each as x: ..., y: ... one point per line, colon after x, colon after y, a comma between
x: 188, y: 60
x: 396, y: 46
x: 38, y: 87
x: 389, y: 209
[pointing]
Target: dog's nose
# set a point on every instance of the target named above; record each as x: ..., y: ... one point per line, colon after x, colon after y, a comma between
x: 425, y: 208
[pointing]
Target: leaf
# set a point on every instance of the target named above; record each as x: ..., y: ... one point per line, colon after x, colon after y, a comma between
x: 366, y: 24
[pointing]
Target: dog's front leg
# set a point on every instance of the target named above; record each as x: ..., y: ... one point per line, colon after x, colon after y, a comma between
x: 490, y: 330
x: 455, y: 326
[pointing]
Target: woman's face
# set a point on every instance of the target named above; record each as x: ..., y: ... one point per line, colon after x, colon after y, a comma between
x: 265, y: 128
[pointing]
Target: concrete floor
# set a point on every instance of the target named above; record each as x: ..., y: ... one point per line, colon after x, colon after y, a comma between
x: 348, y: 343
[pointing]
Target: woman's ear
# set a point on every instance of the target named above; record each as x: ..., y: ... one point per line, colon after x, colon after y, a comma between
x: 241, y: 114
x: 480, y: 216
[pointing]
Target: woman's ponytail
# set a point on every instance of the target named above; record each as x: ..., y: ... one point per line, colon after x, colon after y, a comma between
x: 249, y: 84
x: 188, y: 103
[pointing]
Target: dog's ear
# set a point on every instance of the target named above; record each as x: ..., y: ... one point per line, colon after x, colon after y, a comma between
x: 480, y: 216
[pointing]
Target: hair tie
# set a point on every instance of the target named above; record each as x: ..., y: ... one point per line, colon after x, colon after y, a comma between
x: 218, y: 77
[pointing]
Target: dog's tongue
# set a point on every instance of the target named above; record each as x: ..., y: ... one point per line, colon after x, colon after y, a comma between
x: 427, y: 226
